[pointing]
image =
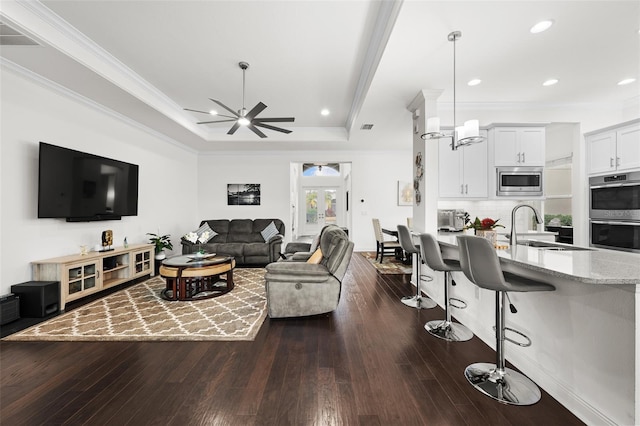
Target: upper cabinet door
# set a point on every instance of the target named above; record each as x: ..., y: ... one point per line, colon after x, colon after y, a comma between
x: 628, y: 148
x: 601, y: 152
x: 506, y: 146
x: 519, y: 146
x: 614, y: 149
x: 532, y: 146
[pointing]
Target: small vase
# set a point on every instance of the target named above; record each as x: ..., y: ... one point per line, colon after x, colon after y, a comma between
x: 160, y: 255
x: 489, y: 234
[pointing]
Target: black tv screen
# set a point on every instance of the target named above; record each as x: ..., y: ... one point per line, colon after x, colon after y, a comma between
x: 83, y: 187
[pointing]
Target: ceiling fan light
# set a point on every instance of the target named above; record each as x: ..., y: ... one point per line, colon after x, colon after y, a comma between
x: 474, y: 82
x: 213, y: 112
x: 550, y: 82
x: 243, y: 121
x: 324, y: 112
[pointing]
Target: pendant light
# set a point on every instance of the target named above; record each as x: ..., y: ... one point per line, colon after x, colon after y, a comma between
x: 464, y: 135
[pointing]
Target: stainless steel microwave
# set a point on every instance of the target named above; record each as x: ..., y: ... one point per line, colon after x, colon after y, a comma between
x: 519, y: 181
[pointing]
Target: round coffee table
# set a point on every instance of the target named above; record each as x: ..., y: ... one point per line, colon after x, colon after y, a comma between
x: 194, y: 278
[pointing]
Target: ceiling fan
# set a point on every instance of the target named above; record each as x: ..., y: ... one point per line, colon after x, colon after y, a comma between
x: 244, y: 118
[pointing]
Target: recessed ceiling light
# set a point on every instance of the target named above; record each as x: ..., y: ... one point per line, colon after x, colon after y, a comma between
x: 541, y: 26
x: 474, y: 82
x: 626, y: 81
x: 324, y: 112
x: 213, y: 112
x: 550, y: 82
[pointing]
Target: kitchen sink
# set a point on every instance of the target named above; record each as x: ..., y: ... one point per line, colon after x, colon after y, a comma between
x: 547, y: 245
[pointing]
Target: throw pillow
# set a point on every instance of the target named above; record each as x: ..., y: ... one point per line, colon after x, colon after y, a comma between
x: 202, y: 235
x: 269, y: 232
x: 316, y: 257
x: 205, y: 233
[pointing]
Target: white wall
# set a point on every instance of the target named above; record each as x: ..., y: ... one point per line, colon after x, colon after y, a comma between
x: 32, y: 113
x: 374, y: 180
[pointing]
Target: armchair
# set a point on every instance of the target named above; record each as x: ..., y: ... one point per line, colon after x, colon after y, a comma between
x: 297, y: 289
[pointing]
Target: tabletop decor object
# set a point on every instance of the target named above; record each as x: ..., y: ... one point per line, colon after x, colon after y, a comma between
x: 485, y: 228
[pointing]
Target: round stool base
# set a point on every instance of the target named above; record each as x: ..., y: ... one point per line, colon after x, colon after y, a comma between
x: 508, y: 386
x: 449, y: 331
x: 419, y: 302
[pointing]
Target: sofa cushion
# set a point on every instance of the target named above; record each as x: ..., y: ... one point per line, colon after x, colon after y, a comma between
x: 269, y: 231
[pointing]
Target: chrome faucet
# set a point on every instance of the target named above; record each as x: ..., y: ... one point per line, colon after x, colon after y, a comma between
x: 512, y: 237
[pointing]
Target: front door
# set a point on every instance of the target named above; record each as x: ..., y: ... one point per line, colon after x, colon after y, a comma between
x: 320, y: 208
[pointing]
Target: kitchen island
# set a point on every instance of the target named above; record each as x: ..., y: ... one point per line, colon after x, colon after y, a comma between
x: 586, y: 339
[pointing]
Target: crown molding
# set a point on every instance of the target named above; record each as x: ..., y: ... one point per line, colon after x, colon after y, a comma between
x: 35, y: 18
x: 61, y: 90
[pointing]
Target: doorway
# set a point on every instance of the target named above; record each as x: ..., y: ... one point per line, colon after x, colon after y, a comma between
x: 319, y: 197
x: 320, y: 208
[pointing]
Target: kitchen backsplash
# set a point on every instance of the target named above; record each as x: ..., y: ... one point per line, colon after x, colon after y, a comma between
x: 498, y: 209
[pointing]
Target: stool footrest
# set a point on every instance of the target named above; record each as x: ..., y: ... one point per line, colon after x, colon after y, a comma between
x: 508, y: 339
x: 463, y: 304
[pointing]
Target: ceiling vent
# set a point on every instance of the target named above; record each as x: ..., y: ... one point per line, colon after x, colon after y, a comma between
x: 11, y: 37
x: 366, y: 127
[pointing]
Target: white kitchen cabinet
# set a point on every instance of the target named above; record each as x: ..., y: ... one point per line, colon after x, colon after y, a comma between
x: 518, y: 146
x: 462, y: 173
x: 614, y: 149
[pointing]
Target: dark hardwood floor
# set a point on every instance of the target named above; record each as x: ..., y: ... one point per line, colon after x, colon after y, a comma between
x: 370, y: 363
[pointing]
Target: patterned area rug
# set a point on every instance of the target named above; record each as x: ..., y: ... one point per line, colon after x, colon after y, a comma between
x: 139, y: 313
x: 389, y: 266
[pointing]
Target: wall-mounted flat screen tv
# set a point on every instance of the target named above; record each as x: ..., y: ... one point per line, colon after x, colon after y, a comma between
x: 82, y: 187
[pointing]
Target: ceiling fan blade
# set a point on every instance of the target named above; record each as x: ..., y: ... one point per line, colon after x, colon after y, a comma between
x: 256, y: 131
x: 233, y: 128
x: 266, y: 126
x: 278, y: 119
x: 216, y: 121
x: 195, y: 110
x: 235, y: 114
x: 255, y: 111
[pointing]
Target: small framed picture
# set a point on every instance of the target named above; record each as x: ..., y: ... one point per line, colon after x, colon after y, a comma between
x: 247, y: 194
x: 405, y: 193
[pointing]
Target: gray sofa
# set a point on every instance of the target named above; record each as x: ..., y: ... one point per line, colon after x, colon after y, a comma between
x: 297, y: 289
x: 241, y: 238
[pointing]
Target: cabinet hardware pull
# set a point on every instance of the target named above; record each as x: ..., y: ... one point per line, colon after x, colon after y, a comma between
x: 617, y: 161
x: 518, y: 157
x: 523, y: 160
x: 611, y: 162
x: 462, y: 188
x: 466, y: 188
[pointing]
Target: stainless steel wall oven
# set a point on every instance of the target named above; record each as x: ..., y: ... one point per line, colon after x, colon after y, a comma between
x: 614, y: 211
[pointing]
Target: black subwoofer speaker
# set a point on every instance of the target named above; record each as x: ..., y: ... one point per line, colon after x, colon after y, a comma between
x: 38, y: 298
x: 9, y: 308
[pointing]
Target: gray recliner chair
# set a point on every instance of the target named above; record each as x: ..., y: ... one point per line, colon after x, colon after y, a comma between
x: 296, y: 289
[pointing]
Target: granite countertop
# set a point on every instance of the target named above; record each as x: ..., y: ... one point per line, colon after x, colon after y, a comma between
x: 594, y: 266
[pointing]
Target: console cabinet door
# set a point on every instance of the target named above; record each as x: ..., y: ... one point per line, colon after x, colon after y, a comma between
x: 81, y: 279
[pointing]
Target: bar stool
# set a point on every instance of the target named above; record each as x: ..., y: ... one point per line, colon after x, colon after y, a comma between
x: 481, y: 265
x: 444, y: 329
x: 406, y: 242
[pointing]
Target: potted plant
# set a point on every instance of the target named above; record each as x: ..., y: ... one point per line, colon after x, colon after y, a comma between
x: 161, y: 243
x: 485, y: 228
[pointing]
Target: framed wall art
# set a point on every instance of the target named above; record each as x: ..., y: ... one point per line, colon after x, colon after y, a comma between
x: 405, y: 193
x: 243, y: 194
